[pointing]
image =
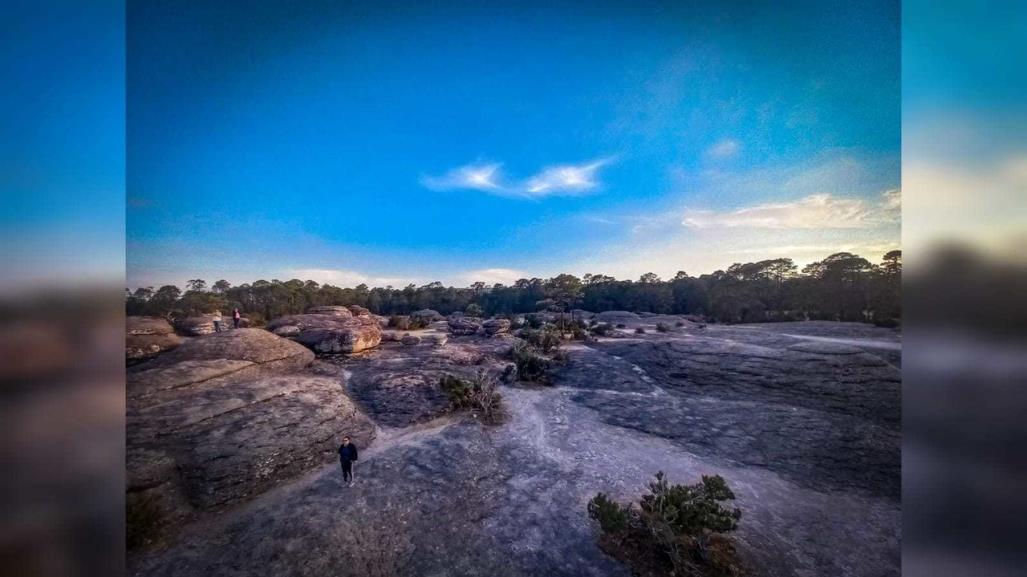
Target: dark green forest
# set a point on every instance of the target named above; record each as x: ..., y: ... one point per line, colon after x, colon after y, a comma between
x: 843, y: 287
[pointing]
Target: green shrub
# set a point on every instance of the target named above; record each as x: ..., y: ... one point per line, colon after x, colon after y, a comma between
x: 474, y: 310
x: 612, y: 517
x: 663, y: 327
x: 674, y: 530
x: 531, y: 365
x: 602, y: 330
x: 534, y: 321
x: 480, y: 395
x: 545, y: 339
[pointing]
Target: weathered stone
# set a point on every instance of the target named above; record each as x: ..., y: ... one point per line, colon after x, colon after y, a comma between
x: 359, y: 311
x: 330, y: 334
x: 411, y: 340
x: 495, y: 326
x: 463, y: 326
x: 255, y: 345
x: 198, y: 326
x: 148, y: 336
x: 383, y: 322
x: 335, y: 310
x: 147, y: 326
x: 616, y: 317
x: 437, y: 339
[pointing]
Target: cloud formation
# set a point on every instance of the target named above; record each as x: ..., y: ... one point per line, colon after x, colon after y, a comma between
x: 491, y: 276
x: 480, y: 176
x: 557, y: 180
x: 727, y: 148
x: 817, y: 211
x: 344, y: 278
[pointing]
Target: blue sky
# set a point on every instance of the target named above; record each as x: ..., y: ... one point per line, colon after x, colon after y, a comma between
x: 355, y: 142
x: 62, y: 142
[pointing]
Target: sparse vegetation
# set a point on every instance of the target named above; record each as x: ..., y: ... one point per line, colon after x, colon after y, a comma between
x: 531, y: 365
x: 143, y: 519
x: 602, y: 329
x: 639, y: 331
x: 673, y: 530
x: 545, y: 339
x: 474, y: 310
x: 480, y: 395
x: 662, y: 327
x: 679, y: 324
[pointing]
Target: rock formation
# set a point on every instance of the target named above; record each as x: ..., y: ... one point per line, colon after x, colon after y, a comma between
x: 148, y: 336
x: 330, y: 334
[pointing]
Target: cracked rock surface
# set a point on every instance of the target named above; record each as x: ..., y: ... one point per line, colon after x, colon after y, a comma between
x: 801, y: 419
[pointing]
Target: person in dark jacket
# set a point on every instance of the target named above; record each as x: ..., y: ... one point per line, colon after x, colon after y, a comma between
x: 347, y: 454
x: 236, y: 317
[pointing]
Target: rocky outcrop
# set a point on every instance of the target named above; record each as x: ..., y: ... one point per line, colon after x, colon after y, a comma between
x: 359, y: 311
x: 400, y: 322
x: 493, y: 327
x: 616, y: 317
x: 226, y: 416
x: 463, y: 326
x: 199, y: 325
x: 411, y: 340
x: 148, y: 336
x: 383, y: 322
x: 436, y: 339
x: 330, y: 334
x: 339, y: 311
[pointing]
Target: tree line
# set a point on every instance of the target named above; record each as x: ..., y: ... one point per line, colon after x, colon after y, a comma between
x: 843, y: 286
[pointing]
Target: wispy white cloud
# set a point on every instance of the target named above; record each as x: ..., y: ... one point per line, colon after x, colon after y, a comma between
x: 557, y: 180
x: 479, y: 176
x: 817, y: 211
x: 567, y: 180
x: 345, y: 278
x: 491, y: 276
x: 727, y: 148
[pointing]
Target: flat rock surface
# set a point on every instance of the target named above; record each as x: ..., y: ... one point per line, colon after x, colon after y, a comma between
x: 808, y: 440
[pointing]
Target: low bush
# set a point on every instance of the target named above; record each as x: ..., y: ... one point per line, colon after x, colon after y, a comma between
x: 621, y: 325
x: 639, y: 331
x: 546, y: 339
x: 534, y: 321
x: 663, y: 327
x: 480, y: 395
x: 673, y: 530
x: 679, y: 324
x: 602, y: 329
x: 531, y: 365
x: 399, y: 322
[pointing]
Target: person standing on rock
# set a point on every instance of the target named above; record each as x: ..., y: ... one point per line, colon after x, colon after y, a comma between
x: 217, y: 321
x: 236, y: 316
x: 347, y: 454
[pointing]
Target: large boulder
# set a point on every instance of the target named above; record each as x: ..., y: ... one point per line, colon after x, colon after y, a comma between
x: 148, y: 336
x: 463, y: 326
x: 225, y: 417
x: 359, y: 311
x: 400, y: 323
x: 230, y: 438
x: 411, y: 340
x: 428, y: 315
x: 495, y: 326
x: 330, y: 334
x: 339, y: 311
x: 199, y: 325
x: 257, y: 346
